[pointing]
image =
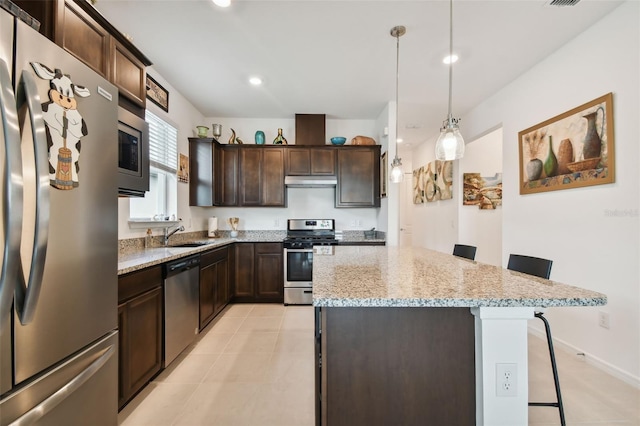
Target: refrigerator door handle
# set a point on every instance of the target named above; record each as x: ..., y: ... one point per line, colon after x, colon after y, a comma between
x: 27, y: 295
x: 61, y: 394
x: 12, y: 191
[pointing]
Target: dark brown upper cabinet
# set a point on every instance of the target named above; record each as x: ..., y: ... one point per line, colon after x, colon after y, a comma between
x: 81, y: 35
x: 128, y: 73
x: 358, y: 176
x: 261, y: 177
x: 310, y: 161
x: 213, y: 170
x: 77, y: 27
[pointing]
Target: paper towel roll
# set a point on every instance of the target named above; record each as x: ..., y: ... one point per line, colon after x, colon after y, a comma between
x: 213, y: 227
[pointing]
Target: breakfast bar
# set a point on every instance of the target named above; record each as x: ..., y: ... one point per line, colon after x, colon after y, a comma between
x: 415, y: 336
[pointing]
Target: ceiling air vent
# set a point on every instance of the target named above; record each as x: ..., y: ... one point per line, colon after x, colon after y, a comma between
x: 563, y: 2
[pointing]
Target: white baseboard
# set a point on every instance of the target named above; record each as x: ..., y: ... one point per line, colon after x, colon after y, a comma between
x: 591, y: 359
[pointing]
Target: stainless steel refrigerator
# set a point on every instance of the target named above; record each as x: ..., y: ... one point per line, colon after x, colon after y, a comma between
x: 58, y: 282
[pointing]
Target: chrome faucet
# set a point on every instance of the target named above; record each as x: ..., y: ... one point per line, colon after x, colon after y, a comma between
x: 167, y: 234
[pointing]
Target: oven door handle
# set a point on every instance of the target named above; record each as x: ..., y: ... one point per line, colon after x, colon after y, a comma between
x: 299, y: 250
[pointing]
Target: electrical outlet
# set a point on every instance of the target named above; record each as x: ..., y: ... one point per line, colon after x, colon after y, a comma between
x: 276, y: 223
x: 603, y: 319
x: 506, y: 379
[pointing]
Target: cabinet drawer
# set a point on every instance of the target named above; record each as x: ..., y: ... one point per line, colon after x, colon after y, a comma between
x: 214, y: 256
x: 138, y: 282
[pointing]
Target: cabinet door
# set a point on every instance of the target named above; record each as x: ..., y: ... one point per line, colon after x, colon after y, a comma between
x: 244, y: 270
x: 323, y: 161
x: 269, y: 270
x: 222, y: 286
x: 272, y: 177
x: 207, y: 293
x: 250, y: 176
x: 298, y: 161
x: 129, y: 74
x: 227, y: 175
x: 358, y: 177
x: 81, y: 35
x: 141, y: 341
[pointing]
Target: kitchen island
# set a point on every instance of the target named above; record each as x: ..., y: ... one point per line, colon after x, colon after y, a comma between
x: 414, y: 336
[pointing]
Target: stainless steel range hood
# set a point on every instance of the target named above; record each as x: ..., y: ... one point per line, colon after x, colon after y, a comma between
x: 310, y: 181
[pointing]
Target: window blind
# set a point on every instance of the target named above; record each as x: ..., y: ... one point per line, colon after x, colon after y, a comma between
x: 163, y: 144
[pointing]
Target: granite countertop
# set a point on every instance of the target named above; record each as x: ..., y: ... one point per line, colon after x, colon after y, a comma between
x: 133, y: 259
x: 369, y: 276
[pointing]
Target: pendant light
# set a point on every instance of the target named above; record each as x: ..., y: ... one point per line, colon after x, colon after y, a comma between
x: 397, y: 174
x: 450, y: 145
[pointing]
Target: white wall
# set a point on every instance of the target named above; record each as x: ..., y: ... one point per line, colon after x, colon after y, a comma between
x: 481, y: 228
x: 185, y: 117
x: 590, y: 247
x: 435, y: 224
x: 381, y: 124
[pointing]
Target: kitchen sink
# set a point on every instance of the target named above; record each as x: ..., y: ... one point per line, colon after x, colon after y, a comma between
x: 191, y: 244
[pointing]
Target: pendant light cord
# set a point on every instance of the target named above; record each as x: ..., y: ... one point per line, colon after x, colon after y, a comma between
x: 450, y: 56
x: 397, y: 79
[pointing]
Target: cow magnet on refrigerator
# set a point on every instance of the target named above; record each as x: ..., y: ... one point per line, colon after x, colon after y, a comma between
x: 65, y: 126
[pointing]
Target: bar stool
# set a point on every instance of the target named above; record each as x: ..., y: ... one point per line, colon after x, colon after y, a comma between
x: 462, y: 250
x: 540, y: 268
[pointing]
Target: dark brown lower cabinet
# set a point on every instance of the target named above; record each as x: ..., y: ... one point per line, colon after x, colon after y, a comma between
x: 259, y: 273
x: 214, y: 284
x: 395, y: 366
x: 140, y: 308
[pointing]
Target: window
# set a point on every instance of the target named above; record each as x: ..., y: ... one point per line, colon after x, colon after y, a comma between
x: 163, y: 160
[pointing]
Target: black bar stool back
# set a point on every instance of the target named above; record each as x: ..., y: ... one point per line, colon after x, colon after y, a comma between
x: 461, y: 250
x: 541, y: 268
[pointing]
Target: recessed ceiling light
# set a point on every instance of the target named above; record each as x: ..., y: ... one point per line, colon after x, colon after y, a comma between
x: 222, y: 3
x: 450, y: 59
x: 399, y: 140
x: 256, y: 81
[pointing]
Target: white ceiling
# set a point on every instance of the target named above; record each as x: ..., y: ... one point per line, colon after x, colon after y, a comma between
x: 338, y: 58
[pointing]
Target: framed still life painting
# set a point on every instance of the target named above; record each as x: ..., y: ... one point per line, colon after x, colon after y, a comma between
x: 574, y: 149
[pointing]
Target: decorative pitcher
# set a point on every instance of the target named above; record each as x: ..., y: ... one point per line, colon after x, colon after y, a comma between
x: 592, y: 146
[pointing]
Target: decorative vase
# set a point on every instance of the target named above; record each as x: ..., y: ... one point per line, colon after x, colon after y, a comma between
x: 534, y: 169
x: 259, y: 137
x: 565, y: 156
x: 217, y: 131
x: 551, y: 163
x: 202, y: 131
x: 280, y: 140
x: 592, y: 146
x: 232, y: 139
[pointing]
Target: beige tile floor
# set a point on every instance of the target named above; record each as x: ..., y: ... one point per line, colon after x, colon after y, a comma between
x: 254, y: 366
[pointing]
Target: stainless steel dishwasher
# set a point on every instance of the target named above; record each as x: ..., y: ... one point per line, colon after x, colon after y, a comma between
x: 181, y: 306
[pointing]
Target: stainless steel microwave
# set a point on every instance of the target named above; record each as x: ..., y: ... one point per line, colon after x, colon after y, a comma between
x: 133, y: 154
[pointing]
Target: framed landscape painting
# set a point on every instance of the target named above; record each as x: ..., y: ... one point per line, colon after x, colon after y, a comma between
x: 574, y: 149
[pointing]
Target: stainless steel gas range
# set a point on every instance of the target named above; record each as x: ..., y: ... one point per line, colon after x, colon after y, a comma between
x: 305, y: 238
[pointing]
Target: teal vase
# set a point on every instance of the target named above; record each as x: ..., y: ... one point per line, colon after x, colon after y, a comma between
x: 260, y: 137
